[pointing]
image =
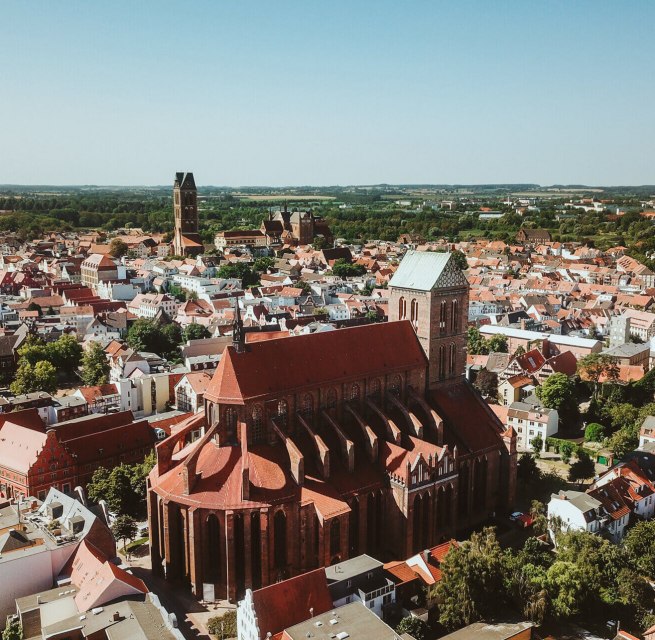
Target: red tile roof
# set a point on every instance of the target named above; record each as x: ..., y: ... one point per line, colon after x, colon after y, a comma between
x: 274, y: 367
x: 287, y: 603
x: 473, y: 425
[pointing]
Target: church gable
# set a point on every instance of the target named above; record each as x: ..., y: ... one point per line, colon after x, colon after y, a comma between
x: 450, y: 277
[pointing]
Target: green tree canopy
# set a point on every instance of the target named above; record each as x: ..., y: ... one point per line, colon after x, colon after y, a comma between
x: 344, y: 269
x: 415, y: 627
x: 95, y: 366
x: 196, y: 332
x: 13, y: 630
x: 594, y: 432
x: 224, y: 626
x: 470, y: 573
x: 117, y: 248
x: 123, y: 488
x: 124, y: 528
x: 30, y: 379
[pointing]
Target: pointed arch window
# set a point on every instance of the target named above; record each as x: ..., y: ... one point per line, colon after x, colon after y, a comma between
x: 453, y: 359
x: 442, y: 362
x: 413, y: 310
x: 258, y: 433
x: 307, y: 406
x: 402, y: 308
x: 230, y: 417
x: 282, y: 413
x: 442, y: 316
x: 454, y: 308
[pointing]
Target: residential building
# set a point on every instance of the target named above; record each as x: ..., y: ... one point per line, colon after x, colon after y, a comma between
x: 531, y: 422
x: 266, y: 612
x: 353, y: 621
x: 362, y: 579
x: 38, y: 539
x: 100, y: 268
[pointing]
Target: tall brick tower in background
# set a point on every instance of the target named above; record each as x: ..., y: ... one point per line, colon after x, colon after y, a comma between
x: 187, y: 241
x: 430, y: 291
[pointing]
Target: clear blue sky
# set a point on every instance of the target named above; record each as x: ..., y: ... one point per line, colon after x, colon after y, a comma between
x: 300, y: 92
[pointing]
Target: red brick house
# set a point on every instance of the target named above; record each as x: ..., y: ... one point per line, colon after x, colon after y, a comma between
x: 35, y: 457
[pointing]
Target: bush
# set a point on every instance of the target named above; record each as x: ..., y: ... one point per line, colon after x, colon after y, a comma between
x: 594, y: 432
x: 224, y: 626
x: 415, y: 627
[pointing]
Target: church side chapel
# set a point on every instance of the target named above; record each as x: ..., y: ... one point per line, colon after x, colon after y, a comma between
x: 321, y: 447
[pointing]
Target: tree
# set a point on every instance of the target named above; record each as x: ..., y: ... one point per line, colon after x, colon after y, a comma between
x: 65, y: 353
x: 487, y: 383
x: 475, y: 343
x: 30, y: 379
x: 224, y: 626
x: 415, y: 627
x: 470, y: 572
x: 123, y: 488
x: 526, y: 469
x: 124, y: 528
x: 519, y: 352
x: 565, y: 586
x: 117, y: 248
x: 459, y: 259
x: 593, y: 366
x: 539, y: 517
x: 537, y: 444
x: 582, y: 468
x: 594, y: 432
x: 558, y: 392
x: 239, y: 271
x: 566, y: 450
x: 95, y: 366
x: 13, y: 630
x: 344, y: 269
x: 147, y: 335
x: 263, y: 264
x: 624, y: 441
x: 196, y: 331
x: 32, y: 351
x: 497, y: 344
x: 33, y: 306
x: 639, y: 545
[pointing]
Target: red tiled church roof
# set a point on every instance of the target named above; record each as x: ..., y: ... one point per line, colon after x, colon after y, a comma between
x: 274, y: 367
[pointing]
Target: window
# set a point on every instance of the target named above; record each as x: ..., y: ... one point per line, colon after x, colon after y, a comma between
x: 402, y: 308
x: 257, y: 424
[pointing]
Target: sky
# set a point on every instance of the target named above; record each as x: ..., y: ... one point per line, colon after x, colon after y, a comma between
x: 308, y: 92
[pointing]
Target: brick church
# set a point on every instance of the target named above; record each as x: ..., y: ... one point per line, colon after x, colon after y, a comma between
x: 320, y: 447
x: 187, y: 240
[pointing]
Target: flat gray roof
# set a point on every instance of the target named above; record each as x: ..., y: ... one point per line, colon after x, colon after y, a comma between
x: 489, y: 631
x: 350, y: 568
x: 354, y: 620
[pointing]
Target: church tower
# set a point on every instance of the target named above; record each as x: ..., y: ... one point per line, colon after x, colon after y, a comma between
x: 431, y: 291
x: 187, y: 241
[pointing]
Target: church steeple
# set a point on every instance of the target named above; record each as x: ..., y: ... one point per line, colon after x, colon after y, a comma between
x: 238, y: 335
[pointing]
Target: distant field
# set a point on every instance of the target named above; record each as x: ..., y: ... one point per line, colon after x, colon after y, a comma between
x: 260, y: 198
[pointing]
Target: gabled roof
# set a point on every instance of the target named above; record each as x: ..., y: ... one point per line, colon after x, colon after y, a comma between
x: 423, y: 271
x: 99, y: 581
x: 274, y: 367
x: 283, y: 604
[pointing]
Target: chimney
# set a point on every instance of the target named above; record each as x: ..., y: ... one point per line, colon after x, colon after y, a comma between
x: 117, y: 616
